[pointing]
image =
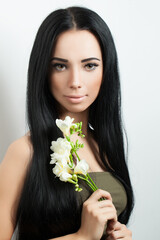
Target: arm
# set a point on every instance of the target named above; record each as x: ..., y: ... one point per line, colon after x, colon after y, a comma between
x: 12, y: 174
x: 95, y: 214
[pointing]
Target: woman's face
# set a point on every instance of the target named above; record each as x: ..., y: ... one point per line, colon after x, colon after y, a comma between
x: 76, y: 70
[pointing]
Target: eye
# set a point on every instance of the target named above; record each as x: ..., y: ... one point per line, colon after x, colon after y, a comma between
x: 59, y: 67
x: 91, y: 66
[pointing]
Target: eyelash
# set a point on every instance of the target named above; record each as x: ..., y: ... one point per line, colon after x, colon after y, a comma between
x: 63, y: 65
x: 93, y: 65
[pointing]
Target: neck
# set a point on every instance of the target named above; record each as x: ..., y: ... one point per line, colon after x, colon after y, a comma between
x: 78, y: 117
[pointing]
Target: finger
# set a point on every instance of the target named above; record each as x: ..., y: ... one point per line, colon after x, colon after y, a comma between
x: 105, y: 203
x: 110, y: 215
x: 98, y: 194
x: 117, y: 234
x: 117, y: 225
x: 112, y: 225
x: 123, y: 233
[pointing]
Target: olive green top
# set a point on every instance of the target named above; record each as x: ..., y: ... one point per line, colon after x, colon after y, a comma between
x: 107, y: 182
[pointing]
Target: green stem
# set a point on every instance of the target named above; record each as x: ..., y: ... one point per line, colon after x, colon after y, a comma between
x: 71, y: 159
x: 79, y: 176
x: 88, y: 182
x: 77, y: 156
x: 92, y: 181
x: 71, y: 181
x: 91, y: 186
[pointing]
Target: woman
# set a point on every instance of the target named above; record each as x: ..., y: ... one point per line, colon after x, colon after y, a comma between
x: 73, y: 71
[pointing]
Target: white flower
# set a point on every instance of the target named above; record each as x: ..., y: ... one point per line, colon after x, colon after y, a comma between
x: 61, y: 146
x: 65, y: 125
x: 65, y: 176
x: 63, y: 171
x: 82, y: 167
x: 55, y: 157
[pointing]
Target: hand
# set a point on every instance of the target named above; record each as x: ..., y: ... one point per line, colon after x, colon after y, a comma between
x: 120, y: 231
x: 95, y: 214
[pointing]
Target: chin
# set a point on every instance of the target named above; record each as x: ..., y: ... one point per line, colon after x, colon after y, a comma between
x: 76, y: 109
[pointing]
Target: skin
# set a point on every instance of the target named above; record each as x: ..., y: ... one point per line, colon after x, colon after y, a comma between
x: 75, y: 77
x: 78, y: 76
x: 12, y: 173
x: 120, y: 232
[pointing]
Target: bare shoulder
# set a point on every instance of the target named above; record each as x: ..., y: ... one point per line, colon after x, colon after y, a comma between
x: 20, y: 151
x: 13, y: 170
x: 16, y: 160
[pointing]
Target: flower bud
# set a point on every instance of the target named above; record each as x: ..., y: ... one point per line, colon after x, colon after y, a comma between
x: 74, y: 177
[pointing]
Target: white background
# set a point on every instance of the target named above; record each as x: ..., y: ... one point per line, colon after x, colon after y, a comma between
x: 135, y: 28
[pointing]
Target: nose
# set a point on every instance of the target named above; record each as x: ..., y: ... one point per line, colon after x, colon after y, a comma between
x: 75, y: 78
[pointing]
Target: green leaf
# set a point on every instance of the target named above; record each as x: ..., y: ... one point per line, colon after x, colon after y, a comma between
x: 72, y: 145
x: 71, y: 131
x: 76, y: 143
x: 68, y: 138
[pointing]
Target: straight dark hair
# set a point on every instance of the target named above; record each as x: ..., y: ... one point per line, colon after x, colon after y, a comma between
x: 48, y: 207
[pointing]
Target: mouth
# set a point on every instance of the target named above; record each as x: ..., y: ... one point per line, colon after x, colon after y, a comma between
x: 75, y: 98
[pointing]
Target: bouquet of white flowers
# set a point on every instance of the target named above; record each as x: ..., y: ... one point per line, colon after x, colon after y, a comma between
x: 63, y: 150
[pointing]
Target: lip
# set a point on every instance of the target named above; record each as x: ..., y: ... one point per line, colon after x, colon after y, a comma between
x: 75, y: 98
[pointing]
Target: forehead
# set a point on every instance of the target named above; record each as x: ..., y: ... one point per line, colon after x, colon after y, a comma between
x: 77, y: 43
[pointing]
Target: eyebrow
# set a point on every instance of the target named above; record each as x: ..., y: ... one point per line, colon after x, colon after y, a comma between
x: 84, y: 60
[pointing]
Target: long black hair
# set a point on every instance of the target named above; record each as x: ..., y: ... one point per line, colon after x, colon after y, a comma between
x: 48, y: 207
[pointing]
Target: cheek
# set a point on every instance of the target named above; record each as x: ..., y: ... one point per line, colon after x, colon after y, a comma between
x: 95, y: 84
x: 55, y: 84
